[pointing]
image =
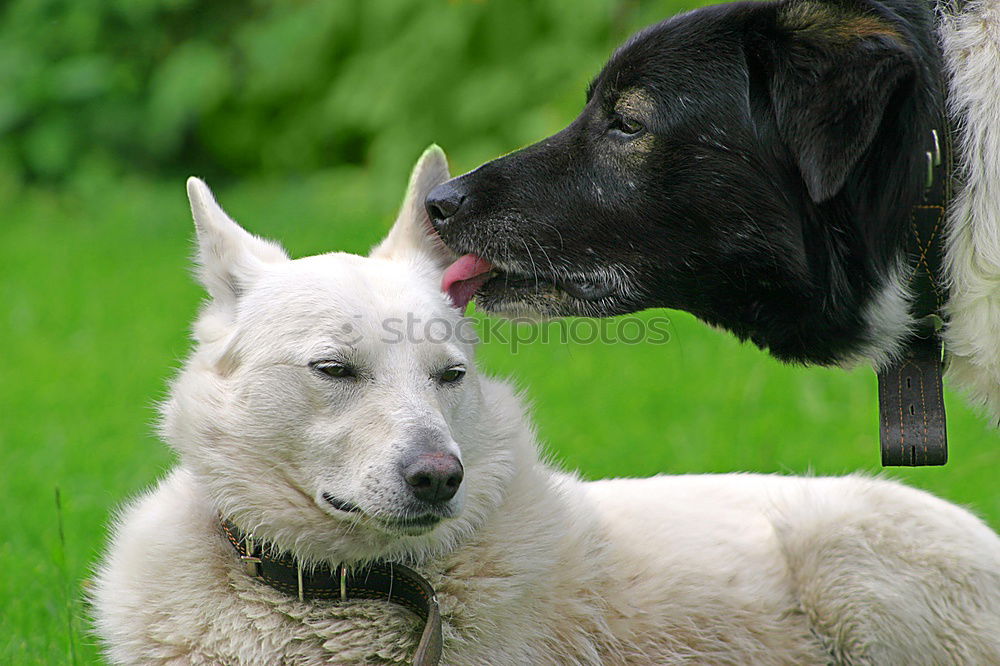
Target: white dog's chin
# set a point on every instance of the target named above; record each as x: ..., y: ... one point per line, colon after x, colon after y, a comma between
x: 410, y: 526
x: 388, y: 522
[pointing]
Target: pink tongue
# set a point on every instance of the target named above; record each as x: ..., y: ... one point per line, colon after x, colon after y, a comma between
x: 463, y: 278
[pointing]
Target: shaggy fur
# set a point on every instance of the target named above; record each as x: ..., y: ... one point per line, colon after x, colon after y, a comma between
x: 531, y: 565
x: 756, y: 165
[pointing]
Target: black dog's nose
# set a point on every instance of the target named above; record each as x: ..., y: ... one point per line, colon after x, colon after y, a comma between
x: 443, y: 202
x: 434, y: 477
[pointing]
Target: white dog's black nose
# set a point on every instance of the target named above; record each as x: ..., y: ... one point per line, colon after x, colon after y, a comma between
x: 434, y: 477
x: 443, y: 202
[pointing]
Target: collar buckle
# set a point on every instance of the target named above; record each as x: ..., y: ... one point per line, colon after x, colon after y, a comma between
x: 250, y: 561
x: 251, y: 565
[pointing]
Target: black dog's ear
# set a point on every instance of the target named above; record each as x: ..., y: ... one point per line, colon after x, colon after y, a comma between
x: 831, y: 73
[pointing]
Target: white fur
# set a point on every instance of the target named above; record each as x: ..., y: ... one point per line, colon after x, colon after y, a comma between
x: 889, y: 321
x: 971, y: 42
x: 534, y: 566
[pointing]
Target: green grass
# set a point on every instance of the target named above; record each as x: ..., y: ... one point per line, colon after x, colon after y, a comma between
x: 97, y: 298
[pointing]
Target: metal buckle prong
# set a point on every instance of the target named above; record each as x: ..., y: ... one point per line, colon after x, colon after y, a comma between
x: 343, y: 582
x: 930, y: 169
x: 937, y: 148
x: 251, y: 563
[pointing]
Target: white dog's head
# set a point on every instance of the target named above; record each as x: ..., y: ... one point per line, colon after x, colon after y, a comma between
x: 331, y: 405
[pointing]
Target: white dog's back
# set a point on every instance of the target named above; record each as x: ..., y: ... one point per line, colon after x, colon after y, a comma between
x: 313, y: 415
x: 880, y: 570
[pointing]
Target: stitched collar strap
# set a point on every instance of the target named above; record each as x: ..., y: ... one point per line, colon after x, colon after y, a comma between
x: 911, y: 404
x: 385, y: 581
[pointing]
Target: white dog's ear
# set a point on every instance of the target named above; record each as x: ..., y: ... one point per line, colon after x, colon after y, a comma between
x: 412, y: 236
x: 229, y: 257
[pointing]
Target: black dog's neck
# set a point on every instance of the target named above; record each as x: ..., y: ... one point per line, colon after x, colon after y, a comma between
x: 855, y: 242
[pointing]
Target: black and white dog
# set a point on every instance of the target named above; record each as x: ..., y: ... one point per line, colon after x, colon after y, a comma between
x: 755, y: 164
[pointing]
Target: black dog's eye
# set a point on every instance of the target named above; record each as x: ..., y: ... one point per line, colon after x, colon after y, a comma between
x: 625, y: 125
x: 335, y: 369
x: 452, y: 374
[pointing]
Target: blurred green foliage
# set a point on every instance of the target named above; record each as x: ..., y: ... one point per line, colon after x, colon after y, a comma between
x: 240, y: 87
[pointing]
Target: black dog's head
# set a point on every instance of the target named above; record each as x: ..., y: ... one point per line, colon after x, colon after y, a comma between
x: 744, y: 162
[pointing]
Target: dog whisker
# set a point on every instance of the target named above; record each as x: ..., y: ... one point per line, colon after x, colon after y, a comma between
x: 527, y: 252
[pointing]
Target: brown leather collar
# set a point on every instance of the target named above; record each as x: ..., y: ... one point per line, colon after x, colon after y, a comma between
x: 384, y: 581
x: 912, y: 423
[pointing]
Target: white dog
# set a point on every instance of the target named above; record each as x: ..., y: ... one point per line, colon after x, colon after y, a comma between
x: 313, y: 434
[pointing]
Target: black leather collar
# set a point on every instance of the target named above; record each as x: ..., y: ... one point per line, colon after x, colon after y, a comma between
x: 912, y: 421
x: 385, y: 581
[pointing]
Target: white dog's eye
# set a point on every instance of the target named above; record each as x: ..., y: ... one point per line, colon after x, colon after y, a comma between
x: 335, y: 369
x: 452, y: 374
